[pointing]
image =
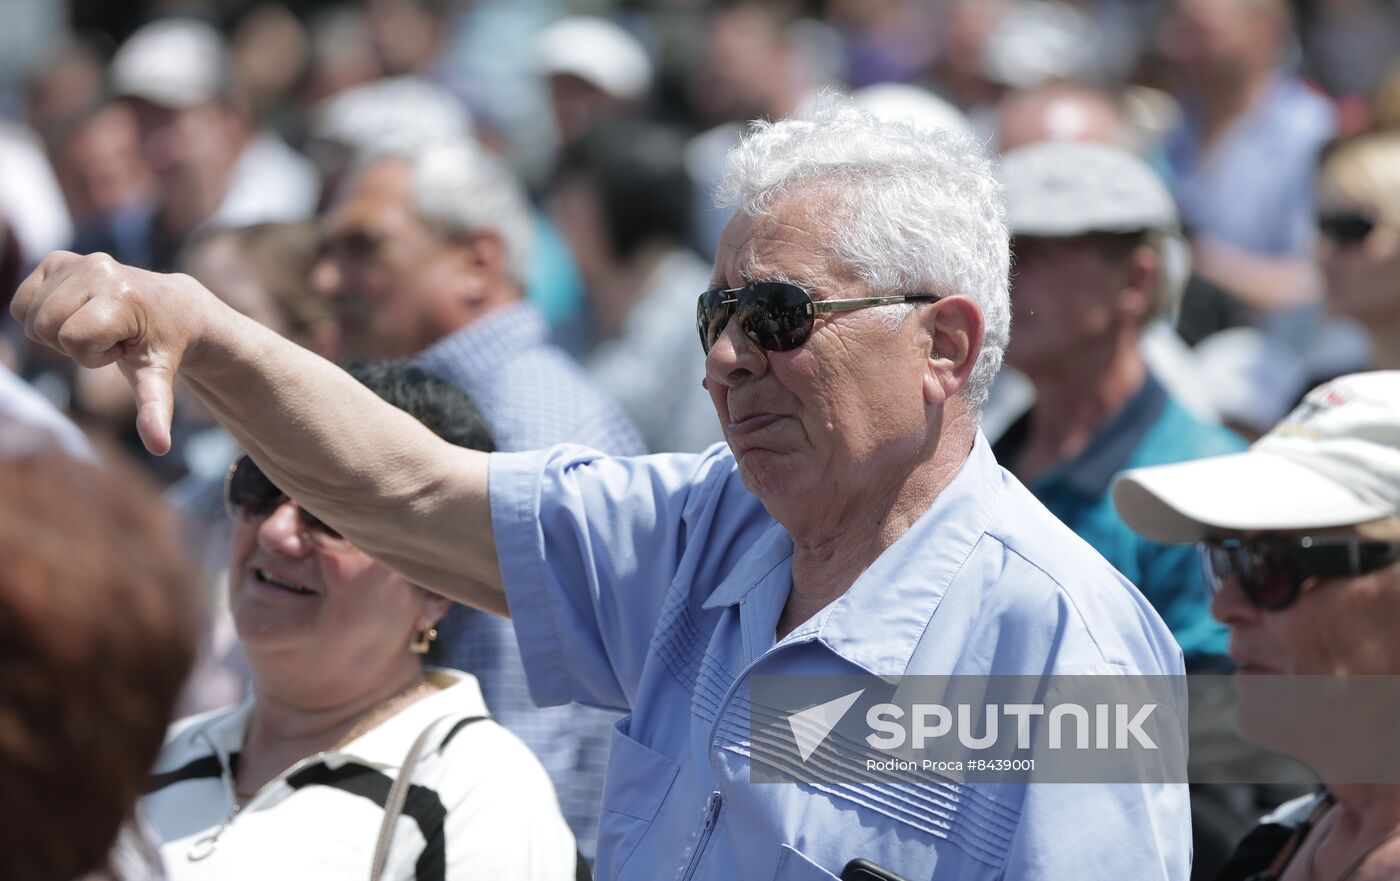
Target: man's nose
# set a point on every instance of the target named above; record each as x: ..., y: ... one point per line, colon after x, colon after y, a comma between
x: 1230, y: 606
x: 734, y: 357
x: 326, y: 277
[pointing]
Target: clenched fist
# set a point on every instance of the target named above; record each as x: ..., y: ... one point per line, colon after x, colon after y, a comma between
x: 97, y: 311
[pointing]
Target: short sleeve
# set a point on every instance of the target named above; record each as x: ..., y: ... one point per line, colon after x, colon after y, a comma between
x: 1100, y: 819
x: 589, y: 547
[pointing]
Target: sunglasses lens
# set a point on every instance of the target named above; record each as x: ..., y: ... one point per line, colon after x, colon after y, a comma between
x: 1267, y: 574
x: 1274, y: 581
x: 1216, y: 567
x: 251, y: 496
x: 712, y: 314
x: 313, y: 524
x: 249, y: 493
x: 1346, y: 229
x: 776, y: 315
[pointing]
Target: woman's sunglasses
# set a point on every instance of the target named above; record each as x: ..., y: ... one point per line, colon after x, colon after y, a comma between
x: 1346, y: 229
x: 776, y: 315
x: 250, y: 496
x: 1271, y: 570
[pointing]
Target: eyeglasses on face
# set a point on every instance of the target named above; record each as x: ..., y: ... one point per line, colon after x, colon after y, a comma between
x: 1271, y: 570
x: 776, y: 315
x: 250, y: 496
x: 1346, y: 228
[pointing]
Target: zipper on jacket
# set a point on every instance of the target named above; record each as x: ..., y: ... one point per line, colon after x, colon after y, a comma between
x: 712, y: 806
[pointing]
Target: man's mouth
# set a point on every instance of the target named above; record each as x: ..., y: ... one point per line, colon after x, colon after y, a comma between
x: 264, y: 577
x: 750, y: 424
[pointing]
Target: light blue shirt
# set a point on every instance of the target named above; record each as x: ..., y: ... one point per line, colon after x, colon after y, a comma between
x: 1254, y: 188
x: 654, y: 585
x: 532, y: 395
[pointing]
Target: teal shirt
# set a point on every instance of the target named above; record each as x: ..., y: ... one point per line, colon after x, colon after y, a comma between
x: 1150, y: 429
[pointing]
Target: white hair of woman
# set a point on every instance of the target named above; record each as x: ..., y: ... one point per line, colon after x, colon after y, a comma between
x: 912, y: 209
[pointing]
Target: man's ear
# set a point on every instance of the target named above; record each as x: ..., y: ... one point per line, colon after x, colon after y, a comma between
x: 475, y: 271
x: 955, y: 329
x: 482, y: 254
x: 1142, y: 275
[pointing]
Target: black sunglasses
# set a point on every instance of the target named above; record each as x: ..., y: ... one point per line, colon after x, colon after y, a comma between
x: 249, y: 495
x: 1346, y: 229
x: 776, y: 315
x: 1271, y: 570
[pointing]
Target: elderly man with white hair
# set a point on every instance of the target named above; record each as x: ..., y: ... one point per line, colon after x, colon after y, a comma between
x: 854, y: 523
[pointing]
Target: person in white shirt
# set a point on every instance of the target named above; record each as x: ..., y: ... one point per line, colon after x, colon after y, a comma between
x: 299, y: 780
x: 212, y: 165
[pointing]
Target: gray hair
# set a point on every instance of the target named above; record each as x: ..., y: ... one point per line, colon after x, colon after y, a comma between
x: 911, y: 209
x: 460, y: 187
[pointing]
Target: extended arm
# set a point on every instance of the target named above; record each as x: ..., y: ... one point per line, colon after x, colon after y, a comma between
x: 391, y: 486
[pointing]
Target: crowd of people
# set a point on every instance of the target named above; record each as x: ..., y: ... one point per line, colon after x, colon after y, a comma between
x: 1035, y: 337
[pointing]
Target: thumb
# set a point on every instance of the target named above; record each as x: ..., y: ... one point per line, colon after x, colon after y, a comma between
x: 153, y: 384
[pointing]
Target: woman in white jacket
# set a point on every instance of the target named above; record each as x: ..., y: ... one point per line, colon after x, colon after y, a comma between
x: 299, y: 780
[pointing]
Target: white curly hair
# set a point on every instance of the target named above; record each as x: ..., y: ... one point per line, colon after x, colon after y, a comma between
x: 911, y: 209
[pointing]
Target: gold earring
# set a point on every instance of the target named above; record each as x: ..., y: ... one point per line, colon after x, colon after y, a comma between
x: 421, y: 641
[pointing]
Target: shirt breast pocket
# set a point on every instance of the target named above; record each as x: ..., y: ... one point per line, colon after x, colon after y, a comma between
x: 793, y: 866
x: 638, y: 780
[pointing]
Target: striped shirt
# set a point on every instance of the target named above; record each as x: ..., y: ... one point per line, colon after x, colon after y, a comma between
x: 531, y: 392
x: 480, y: 805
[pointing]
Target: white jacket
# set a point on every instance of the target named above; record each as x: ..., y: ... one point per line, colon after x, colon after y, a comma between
x: 481, y: 806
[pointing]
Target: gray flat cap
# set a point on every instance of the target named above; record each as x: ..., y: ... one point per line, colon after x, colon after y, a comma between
x: 1069, y: 188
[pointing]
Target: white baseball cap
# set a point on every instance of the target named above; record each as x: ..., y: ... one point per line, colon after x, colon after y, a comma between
x: 1070, y: 188
x: 173, y: 62
x: 596, y: 51
x: 1333, y: 461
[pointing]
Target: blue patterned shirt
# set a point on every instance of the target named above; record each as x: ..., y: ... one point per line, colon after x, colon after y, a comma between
x: 654, y: 585
x: 532, y: 395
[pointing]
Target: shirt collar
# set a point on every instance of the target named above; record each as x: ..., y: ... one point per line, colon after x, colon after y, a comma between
x: 223, y: 733
x: 385, y: 745
x: 878, y: 623
x: 1091, y: 472
x: 476, y: 351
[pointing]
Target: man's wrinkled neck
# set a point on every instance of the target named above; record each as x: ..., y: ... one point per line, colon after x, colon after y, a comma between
x: 836, y: 538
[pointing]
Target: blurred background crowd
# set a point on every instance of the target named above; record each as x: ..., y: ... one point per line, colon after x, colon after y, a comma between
x: 176, y: 148
x: 212, y: 137
x: 518, y: 195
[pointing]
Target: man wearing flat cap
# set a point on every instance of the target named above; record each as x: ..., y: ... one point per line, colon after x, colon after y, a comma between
x: 1096, y: 260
